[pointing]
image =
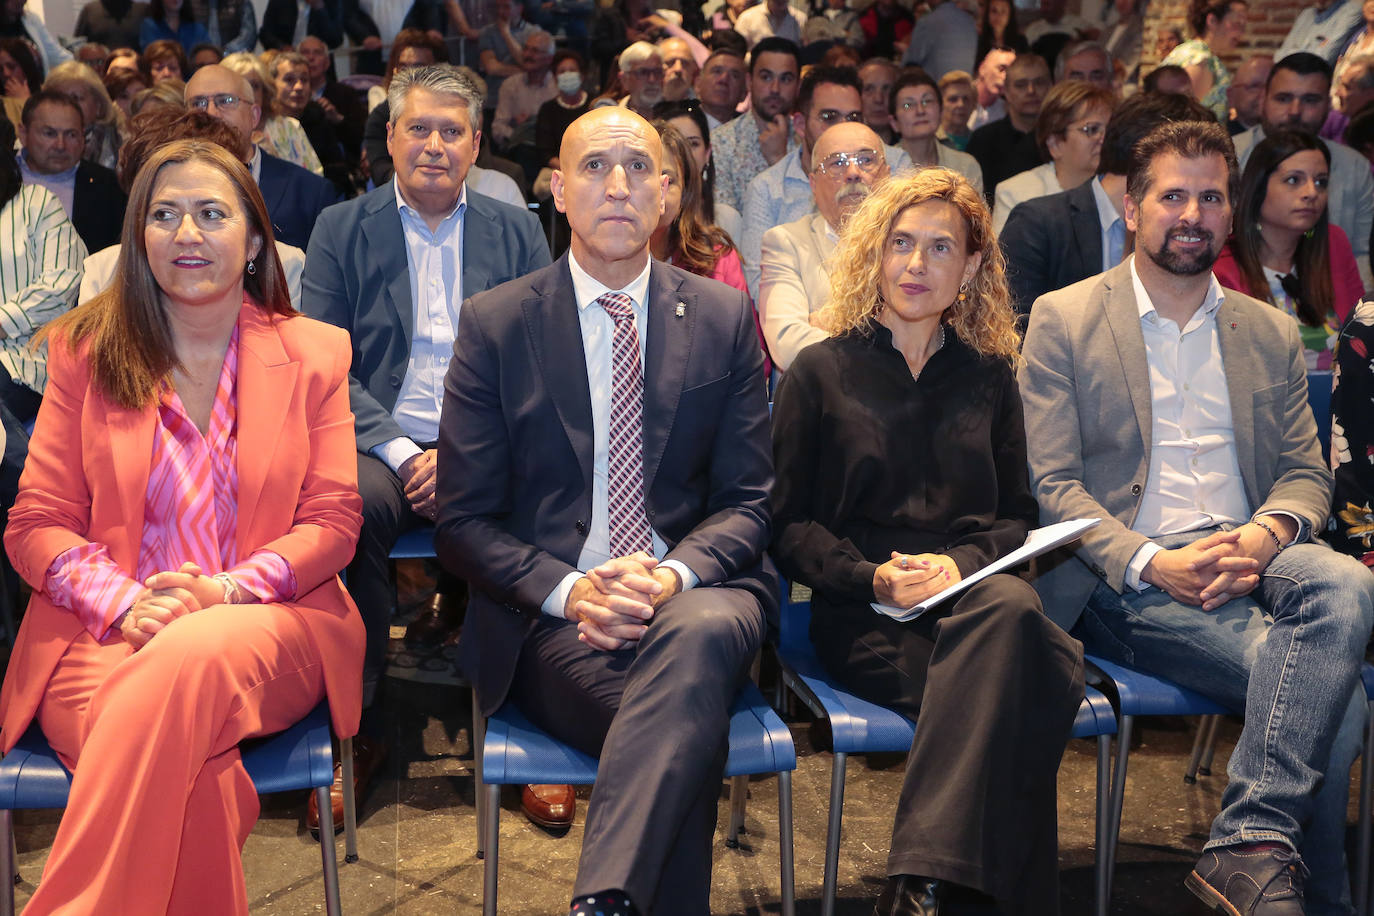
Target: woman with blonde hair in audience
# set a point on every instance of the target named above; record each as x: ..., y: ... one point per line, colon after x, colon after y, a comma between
x: 278, y: 134
x: 1219, y: 26
x: 685, y: 236
x: 104, y: 120
x: 189, y: 498
x: 1069, y: 131
x: 900, y: 452
x: 170, y: 93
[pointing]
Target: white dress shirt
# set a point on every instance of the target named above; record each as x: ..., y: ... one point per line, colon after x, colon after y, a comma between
x: 1194, y: 479
x: 435, y: 260
x: 597, y: 330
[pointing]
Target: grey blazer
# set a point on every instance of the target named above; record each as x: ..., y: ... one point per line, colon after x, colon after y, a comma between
x: 1086, y: 389
x: 357, y: 277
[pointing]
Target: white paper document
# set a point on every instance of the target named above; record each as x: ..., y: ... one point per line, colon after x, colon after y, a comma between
x: 1038, y: 541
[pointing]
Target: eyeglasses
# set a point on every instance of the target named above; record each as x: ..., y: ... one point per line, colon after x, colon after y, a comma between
x: 867, y: 160
x: 831, y: 116
x: 224, y: 101
x: 918, y: 103
x: 1091, y: 131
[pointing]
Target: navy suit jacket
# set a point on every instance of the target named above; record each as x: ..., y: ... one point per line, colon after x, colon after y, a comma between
x: 295, y: 198
x: 1050, y: 242
x: 515, y: 451
x: 357, y: 277
x: 97, y: 206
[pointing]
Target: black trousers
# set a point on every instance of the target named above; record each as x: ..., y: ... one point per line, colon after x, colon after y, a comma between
x: 657, y: 714
x: 994, y: 686
x: 386, y: 516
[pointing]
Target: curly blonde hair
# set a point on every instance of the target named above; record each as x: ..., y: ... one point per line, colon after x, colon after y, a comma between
x: 983, y: 320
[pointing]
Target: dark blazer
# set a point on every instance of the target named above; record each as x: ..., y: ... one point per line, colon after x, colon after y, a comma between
x: 97, y: 206
x: 278, y: 28
x: 357, y: 277
x: 1050, y: 242
x: 515, y: 451
x: 295, y: 198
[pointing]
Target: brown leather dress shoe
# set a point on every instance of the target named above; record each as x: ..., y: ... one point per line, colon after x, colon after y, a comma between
x: 442, y: 616
x: 367, y: 757
x: 551, y: 807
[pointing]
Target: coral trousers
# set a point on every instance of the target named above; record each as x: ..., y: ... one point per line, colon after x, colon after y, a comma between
x: 160, y: 803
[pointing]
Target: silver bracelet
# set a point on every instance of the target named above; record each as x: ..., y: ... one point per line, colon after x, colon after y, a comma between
x: 231, y: 588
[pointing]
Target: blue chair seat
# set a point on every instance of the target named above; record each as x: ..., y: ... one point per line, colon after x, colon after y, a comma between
x: 516, y: 752
x: 32, y: 776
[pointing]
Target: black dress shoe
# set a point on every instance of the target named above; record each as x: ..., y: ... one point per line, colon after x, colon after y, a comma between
x: 1261, y: 879
x: 440, y: 617
x: 909, y: 895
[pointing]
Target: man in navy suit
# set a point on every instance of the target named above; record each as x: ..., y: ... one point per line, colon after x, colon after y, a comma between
x: 295, y: 197
x: 611, y: 519
x: 392, y: 268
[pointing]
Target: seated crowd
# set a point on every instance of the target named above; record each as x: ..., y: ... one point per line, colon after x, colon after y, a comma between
x: 257, y: 322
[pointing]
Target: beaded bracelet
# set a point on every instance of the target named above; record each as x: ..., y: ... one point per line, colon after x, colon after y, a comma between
x: 1273, y: 536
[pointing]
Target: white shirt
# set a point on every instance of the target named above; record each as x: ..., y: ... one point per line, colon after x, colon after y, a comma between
x: 597, y: 330
x: 435, y: 260
x: 1194, y: 479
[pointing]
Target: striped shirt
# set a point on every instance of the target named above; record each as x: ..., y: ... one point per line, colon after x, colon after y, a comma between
x: 40, y: 272
x: 190, y: 514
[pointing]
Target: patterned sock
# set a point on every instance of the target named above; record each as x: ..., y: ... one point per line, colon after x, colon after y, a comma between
x: 606, y: 903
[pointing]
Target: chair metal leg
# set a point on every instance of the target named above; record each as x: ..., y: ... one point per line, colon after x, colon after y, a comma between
x: 328, y: 855
x: 350, y: 804
x: 8, y: 873
x: 832, y: 834
x: 739, y: 797
x: 1366, y: 798
x: 789, y: 884
x: 492, y: 827
x: 1123, y: 749
x: 479, y: 737
x: 1101, y: 864
x: 1205, y: 729
x: 1204, y: 767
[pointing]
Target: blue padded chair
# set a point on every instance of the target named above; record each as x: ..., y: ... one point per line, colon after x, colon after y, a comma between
x: 1319, y: 400
x: 860, y: 727
x: 31, y: 776
x: 515, y: 752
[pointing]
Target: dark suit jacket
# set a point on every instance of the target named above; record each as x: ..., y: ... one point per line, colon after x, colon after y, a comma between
x: 357, y: 277
x: 295, y: 198
x: 97, y: 206
x: 1050, y: 242
x: 278, y: 27
x: 515, y: 450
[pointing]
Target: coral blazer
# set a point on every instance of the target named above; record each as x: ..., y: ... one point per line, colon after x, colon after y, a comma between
x: 86, y: 479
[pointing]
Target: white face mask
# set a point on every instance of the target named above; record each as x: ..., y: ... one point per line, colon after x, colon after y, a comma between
x: 569, y: 81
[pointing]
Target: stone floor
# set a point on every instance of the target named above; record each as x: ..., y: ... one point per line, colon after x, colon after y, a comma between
x: 417, y: 830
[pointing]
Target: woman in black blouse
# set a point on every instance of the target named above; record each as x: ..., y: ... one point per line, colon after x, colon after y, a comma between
x: 901, y: 469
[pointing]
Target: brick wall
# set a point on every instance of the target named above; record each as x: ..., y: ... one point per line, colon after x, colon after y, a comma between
x: 1267, y: 23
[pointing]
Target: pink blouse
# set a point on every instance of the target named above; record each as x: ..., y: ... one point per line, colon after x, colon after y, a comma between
x: 190, y: 514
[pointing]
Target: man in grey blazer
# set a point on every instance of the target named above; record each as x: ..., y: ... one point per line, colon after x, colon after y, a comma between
x: 1177, y: 412
x: 391, y: 268
x: 605, y: 467
x: 794, y: 284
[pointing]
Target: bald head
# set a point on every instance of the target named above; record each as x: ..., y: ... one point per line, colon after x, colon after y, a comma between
x: 219, y: 91
x: 858, y: 164
x: 599, y: 125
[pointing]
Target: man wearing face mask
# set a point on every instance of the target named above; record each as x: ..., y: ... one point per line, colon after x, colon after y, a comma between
x: 794, y: 285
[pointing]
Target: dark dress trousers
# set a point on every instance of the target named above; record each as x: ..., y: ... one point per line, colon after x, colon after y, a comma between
x: 1050, y: 242
x: 515, y: 497
x: 357, y: 277
x: 97, y: 206
x: 870, y: 461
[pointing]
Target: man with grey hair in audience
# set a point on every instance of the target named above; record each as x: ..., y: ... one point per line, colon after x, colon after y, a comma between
x: 794, y: 285
x: 392, y: 268
x: 641, y: 76
x: 1084, y: 60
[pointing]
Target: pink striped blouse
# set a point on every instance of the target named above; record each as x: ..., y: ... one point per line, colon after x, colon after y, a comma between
x: 190, y: 514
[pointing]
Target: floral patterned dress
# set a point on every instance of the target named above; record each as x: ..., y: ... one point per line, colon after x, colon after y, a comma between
x: 1351, y: 529
x: 1194, y: 52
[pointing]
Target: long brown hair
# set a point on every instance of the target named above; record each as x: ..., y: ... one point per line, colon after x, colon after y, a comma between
x: 131, y: 348
x: 694, y: 243
x: 1312, y: 260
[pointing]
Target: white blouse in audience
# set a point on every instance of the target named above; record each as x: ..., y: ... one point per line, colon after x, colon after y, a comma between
x: 1040, y: 181
x: 40, y: 269
x: 100, y: 271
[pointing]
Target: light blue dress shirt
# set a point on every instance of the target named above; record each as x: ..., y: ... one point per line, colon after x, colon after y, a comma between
x: 597, y: 330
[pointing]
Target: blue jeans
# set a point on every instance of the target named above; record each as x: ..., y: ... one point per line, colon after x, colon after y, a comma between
x: 1289, y: 655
